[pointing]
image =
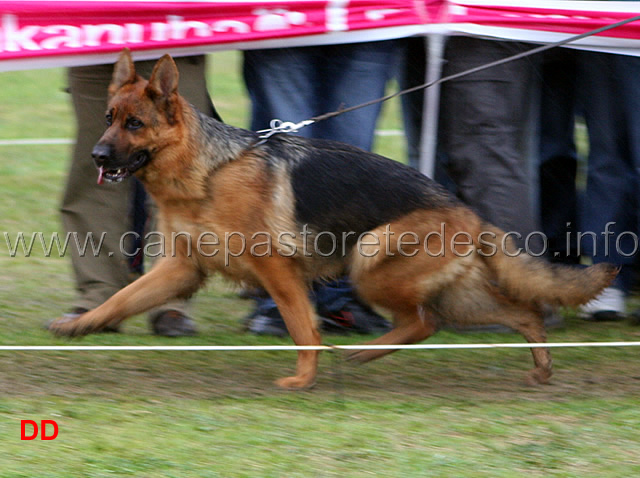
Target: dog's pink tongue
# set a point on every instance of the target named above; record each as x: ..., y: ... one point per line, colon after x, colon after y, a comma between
x: 100, y: 174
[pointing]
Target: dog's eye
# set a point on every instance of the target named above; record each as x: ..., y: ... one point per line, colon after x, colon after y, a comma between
x: 109, y: 119
x: 134, y: 123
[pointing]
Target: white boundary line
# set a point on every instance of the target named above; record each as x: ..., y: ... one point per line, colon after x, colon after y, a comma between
x: 235, y: 348
x: 35, y: 141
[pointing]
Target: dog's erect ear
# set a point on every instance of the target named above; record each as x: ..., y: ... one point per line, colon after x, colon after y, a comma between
x: 124, y: 72
x: 163, y: 85
x: 164, y: 78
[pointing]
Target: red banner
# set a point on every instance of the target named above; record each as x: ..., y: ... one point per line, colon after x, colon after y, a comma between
x: 551, y: 16
x: 37, y: 33
x: 37, y: 29
x: 548, y: 21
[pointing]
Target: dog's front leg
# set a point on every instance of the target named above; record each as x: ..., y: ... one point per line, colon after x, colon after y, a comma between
x: 170, y: 278
x: 298, y: 314
x: 284, y: 284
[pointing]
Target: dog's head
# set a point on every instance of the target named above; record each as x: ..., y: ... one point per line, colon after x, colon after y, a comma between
x: 142, y: 118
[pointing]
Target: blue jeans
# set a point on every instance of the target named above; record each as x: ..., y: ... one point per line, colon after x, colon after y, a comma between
x: 610, y: 99
x: 295, y: 84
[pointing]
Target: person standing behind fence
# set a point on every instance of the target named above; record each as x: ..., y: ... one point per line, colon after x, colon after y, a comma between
x: 296, y: 84
x: 486, y: 149
x: 487, y: 123
x: 486, y: 133
x: 607, y: 94
x: 605, y: 89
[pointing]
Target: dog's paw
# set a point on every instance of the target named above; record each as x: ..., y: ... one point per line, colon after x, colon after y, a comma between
x: 295, y: 383
x: 68, y: 326
x: 538, y: 376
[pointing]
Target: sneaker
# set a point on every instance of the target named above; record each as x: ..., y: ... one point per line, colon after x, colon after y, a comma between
x: 171, y: 323
x: 354, y: 317
x: 260, y: 324
x: 608, y: 306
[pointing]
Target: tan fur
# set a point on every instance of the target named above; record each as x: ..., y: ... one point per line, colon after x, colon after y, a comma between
x: 559, y: 286
x: 221, y: 185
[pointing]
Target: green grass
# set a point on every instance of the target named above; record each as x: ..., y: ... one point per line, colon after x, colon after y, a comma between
x: 439, y: 413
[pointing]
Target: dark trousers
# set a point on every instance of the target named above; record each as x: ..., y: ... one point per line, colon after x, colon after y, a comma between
x: 486, y: 134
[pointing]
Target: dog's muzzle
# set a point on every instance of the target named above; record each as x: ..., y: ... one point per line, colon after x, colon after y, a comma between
x: 103, y: 154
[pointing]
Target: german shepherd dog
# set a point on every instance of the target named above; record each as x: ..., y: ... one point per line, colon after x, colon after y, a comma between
x: 408, y: 246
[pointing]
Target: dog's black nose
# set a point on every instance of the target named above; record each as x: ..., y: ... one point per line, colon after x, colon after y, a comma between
x: 101, y: 153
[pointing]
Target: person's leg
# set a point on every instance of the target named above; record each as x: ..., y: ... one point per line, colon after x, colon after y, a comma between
x: 558, y: 157
x: 609, y: 212
x: 485, y: 132
x: 279, y: 83
x: 350, y: 75
x: 89, y: 208
x: 295, y: 84
x: 412, y: 73
x: 610, y: 193
x: 628, y: 71
x: 104, y: 210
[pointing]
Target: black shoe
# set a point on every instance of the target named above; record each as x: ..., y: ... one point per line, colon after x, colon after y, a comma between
x: 606, y: 316
x: 635, y: 317
x: 171, y: 323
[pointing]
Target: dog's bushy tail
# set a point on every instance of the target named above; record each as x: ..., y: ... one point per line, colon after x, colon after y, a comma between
x: 533, y: 280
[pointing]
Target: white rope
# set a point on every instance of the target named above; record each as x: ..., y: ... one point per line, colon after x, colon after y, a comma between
x: 235, y: 348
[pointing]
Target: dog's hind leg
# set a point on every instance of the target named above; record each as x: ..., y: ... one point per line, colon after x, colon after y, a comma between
x: 464, y: 305
x: 172, y: 277
x: 530, y: 324
x: 284, y: 284
x: 533, y: 332
x: 409, y: 328
x: 394, y: 283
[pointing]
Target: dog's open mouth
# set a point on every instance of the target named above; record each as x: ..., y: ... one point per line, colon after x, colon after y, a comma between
x: 117, y: 175
x: 112, y: 175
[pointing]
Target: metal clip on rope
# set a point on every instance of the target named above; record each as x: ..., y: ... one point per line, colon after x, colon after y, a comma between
x: 279, y: 126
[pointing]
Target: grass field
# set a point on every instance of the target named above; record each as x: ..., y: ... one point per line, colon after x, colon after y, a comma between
x: 444, y: 413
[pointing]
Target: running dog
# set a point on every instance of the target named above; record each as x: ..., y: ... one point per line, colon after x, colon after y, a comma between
x: 284, y: 212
